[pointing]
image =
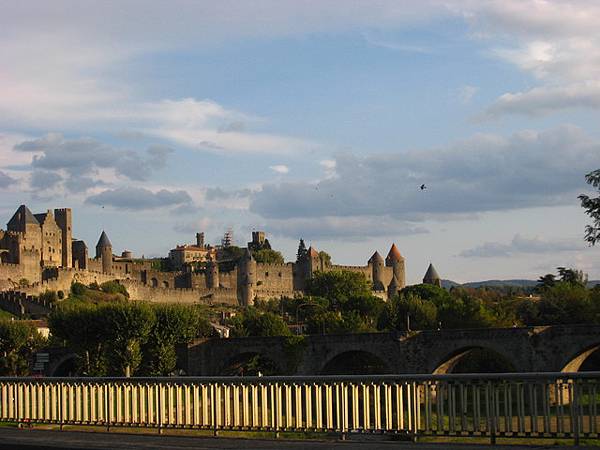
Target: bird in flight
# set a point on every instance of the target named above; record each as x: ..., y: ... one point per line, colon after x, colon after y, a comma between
x: 423, y: 187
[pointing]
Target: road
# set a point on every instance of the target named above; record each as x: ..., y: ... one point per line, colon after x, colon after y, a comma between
x: 25, y: 439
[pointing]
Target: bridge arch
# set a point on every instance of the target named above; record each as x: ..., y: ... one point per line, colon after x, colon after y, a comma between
x: 355, y: 362
x: 475, y: 359
x: 250, y: 364
x: 584, y: 360
x: 65, y: 366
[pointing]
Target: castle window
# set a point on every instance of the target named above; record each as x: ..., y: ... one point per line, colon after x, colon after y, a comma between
x: 279, y: 274
x: 266, y: 274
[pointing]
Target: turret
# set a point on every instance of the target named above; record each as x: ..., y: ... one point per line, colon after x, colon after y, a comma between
x: 393, y: 287
x: 64, y: 220
x: 432, y: 277
x: 212, y: 271
x: 248, y: 278
x: 396, y: 261
x: 314, y: 261
x: 376, y: 263
x: 104, y: 252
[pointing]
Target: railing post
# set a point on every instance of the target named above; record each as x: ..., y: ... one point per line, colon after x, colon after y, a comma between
x: 575, y: 413
x: 492, y: 408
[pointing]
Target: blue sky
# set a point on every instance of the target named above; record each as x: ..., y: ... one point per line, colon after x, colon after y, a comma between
x: 310, y: 119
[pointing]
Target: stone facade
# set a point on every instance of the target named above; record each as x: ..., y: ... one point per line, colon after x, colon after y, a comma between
x: 41, y: 249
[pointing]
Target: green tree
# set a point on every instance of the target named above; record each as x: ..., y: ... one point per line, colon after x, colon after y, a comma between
x: 252, y: 322
x: 18, y: 341
x: 592, y: 208
x: 129, y: 325
x: 268, y: 256
x: 409, y: 310
x: 302, y: 251
x: 567, y: 303
x: 173, y: 325
x: 325, y: 258
x: 84, y: 331
x: 545, y: 282
x: 338, y: 286
x: 572, y: 276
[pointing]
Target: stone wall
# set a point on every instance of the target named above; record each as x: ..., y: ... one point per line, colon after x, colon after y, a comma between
x: 140, y: 292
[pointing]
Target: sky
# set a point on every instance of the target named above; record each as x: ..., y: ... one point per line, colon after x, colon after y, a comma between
x: 313, y: 119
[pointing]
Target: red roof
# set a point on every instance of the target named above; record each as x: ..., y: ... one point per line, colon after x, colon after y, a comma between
x: 312, y: 252
x: 394, y: 254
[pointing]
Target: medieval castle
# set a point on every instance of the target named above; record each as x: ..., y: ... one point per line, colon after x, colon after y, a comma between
x: 38, y: 253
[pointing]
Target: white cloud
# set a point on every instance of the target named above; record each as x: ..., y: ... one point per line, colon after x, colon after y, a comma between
x: 483, y: 173
x: 521, y: 244
x: 281, y: 169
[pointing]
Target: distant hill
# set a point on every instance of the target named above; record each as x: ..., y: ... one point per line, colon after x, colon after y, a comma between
x: 447, y: 284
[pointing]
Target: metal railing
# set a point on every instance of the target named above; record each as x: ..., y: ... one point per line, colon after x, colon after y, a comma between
x: 500, y: 405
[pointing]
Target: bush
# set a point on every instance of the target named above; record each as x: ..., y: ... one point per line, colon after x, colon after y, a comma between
x: 113, y: 287
x: 48, y: 296
x: 78, y: 288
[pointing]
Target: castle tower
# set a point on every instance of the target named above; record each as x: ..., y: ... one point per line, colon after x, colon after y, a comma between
x: 376, y: 263
x: 104, y: 251
x: 26, y: 246
x: 248, y: 278
x: 212, y: 272
x: 393, y: 287
x: 313, y: 261
x: 432, y: 277
x: 200, y: 240
x: 64, y: 220
x: 396, y: 261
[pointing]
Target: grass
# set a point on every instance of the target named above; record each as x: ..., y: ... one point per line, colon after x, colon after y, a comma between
x: 5, y: 315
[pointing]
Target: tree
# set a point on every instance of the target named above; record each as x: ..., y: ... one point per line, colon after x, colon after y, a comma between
x: 325, y: 258
x: 302, y: 251
x: 114, y: 287
x: 18, y: 341
x: 128, y: 327
x: 572, y: 276
x: 338, y: 286
x: 409, y: 310
x: 545, y: 282
x: 253, y: 323
x: 268, y: 256
x: 173, y: 324
x: 592, y: 208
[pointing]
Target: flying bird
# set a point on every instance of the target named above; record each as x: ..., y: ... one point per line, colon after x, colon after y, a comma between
x: 423, y: 187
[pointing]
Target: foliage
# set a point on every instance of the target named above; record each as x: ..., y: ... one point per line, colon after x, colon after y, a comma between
x: 18, y: 341
x: 23, y: 282
x: 302, y: 251
x: 113, y: 338
x: 408, y: 311
x: 592, y: 208
x: 48, y: 296
x: 161, y: 264
x: 252, y: 322
x: 173, y: 324
x: 338, y: 286
x: 114, y: 287
x: 325, y: 258
x: 78, y: 288
x: 268, y: 256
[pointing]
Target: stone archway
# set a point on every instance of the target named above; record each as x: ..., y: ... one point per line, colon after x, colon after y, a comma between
x: 585, y: 360
x: 64, y: 367
x: 475, y: 359
x: 355, y: 362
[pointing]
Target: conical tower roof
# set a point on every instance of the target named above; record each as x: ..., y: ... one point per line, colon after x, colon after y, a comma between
x: 394, y: 254
x: 20, y: 218
x: 376, y: 258
x: 431, y: 274
x: 312, y: 252
x: 394, y: 284
x: 103, y: 241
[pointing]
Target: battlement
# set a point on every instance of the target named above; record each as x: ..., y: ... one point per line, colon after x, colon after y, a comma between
x: 287, y: 265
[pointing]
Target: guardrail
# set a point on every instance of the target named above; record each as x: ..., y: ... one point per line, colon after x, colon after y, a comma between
x: 501, y: 405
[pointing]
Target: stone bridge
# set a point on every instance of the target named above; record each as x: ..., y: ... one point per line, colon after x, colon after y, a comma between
x: 528, y: 349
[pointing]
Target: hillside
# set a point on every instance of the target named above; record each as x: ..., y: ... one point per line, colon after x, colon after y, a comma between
x: 521, y: 283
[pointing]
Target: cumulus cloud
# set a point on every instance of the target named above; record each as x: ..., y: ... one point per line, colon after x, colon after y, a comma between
x: 555, y: 42
x: 217, y: 193
x: 341, y: 228
x: 546, y: 99
x: 280, y: 169
x: 84, y: 156
x: 483, y: 173
x: 6, y: 180
x: 133, y: 198
x: 42, y: 179
x: 522, y: 244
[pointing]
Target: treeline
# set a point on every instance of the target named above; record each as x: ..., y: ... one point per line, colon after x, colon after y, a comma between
x: 126, y: 338
x: 342, y: 302
x: 19, y: 340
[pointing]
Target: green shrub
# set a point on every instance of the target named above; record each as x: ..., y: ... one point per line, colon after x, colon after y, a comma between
x: 78, y: 288
x: 113, y: 287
